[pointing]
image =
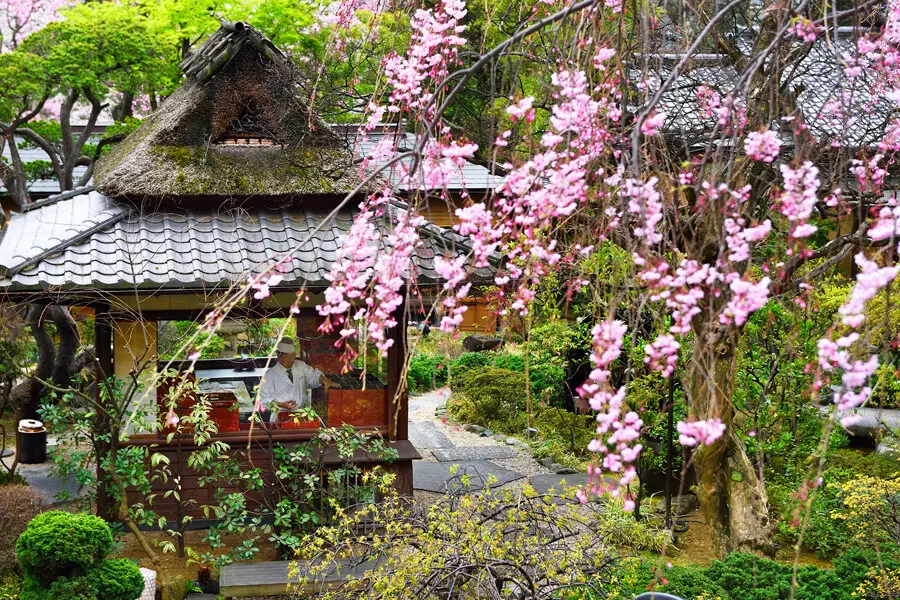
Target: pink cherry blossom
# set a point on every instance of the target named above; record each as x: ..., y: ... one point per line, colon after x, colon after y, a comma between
x: 693, y: 433
x: 653, y: 124
x: 662, y: 354
x: 762, y: 146
x: 747, y: 298
x: 521, y: 110
x: 870, y: 280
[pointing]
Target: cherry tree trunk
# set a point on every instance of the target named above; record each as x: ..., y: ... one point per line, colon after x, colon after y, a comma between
x: 732, y: 496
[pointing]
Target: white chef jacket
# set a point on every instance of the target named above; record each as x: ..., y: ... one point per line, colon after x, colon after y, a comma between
x: 276, y: 386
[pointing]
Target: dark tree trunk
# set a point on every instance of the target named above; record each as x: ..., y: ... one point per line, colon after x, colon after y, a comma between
x: 125, y: 108
x: 55, y: 363
x: 14, y: 176
x: 105, y: 440
x: 731, y: 494
x: 36, y: 316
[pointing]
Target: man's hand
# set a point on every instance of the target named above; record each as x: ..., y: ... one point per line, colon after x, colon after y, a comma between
x: 287, y: 405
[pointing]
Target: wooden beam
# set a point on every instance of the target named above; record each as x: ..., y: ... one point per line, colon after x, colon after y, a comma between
x: 106, y: 502
x: 398, y: 400
x: 103, y: 338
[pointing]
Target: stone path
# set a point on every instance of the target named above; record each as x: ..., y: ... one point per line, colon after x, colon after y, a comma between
x: 47, y: 485
x: 437, y: 476
x: 445, y: 447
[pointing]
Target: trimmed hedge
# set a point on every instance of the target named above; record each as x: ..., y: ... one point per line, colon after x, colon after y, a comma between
x: 57, y: 544
x: 64, y: 556
x: 742, y: 576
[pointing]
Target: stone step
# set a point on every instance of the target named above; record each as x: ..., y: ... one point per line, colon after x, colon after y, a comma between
x: 474, y: 453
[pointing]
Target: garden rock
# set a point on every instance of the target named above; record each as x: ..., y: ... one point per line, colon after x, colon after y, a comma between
x: 481, y: 343
x: 546, y: 462
x: 487, y: 433
x: 500, y: 437
x: 890, y: 447
x: 681, y: 505
x: 511, y: 441
x: 565, y: 470
x: 175, y: 588
x: 474, y: 428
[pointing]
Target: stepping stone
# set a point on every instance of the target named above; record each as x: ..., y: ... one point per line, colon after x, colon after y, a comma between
x: 433, y: 476
x: 474, y: 453
x: 38, y: 477
x: 426, y: 435
x: 543, y: 483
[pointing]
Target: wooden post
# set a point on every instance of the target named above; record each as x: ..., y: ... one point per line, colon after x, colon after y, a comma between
x: 107, y: 507
x: 398, y: 404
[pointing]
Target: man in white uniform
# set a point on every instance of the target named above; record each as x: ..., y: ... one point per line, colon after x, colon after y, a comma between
x: 284, y: 385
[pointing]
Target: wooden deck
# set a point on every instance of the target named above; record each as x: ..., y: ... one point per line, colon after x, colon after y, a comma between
x: 272, y: 579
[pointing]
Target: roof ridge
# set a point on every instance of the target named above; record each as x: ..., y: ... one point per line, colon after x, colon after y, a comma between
x: 75, y: 239
x: 49, y: 200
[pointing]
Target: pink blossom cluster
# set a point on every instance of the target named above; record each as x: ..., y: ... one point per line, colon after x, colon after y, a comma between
x: 799, y: 197
x: 369, y: 283
x: 644, y: 201
x: 350, y: 275
x: 805, y: 29
x: 616, y: 432
x: 709, y: 100
x: 662, y: 354
x: 652, y: 125
x: 521, y: 110
x: 601, y: 56
x: 887, y: 222
x: 729, y: 112
x: 834, y: 354
x: 682, y: 292
x: 739, y: 236
x: 746, y: 298
x: 869, y: 173
x: 434, y: 47
x: 21, y: 17
x: 550, y: 186
x: 693, y: 433
x: 762, y: 146
x: 870, y: 280
x: 392, y: 268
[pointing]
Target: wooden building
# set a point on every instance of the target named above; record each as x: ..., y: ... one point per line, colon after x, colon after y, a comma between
x: 231, y: 172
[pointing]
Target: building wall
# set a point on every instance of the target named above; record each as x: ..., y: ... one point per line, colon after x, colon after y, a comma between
x: 480, y: 318
x: 134, y: 342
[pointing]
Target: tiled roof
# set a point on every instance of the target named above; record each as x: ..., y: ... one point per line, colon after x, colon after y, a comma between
x: 818, y: 81
x: 469, y: 177
x: 92, y: 242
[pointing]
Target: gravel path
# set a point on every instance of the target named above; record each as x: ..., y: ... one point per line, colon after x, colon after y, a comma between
x: 423, y: 422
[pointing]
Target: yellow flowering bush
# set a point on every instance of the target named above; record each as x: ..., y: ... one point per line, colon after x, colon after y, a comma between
x: 470, y: 543
x: 879, y: 584
x: 871, y: 509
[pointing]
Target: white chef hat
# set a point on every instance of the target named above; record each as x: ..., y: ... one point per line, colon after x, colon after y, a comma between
x: 286, y: 345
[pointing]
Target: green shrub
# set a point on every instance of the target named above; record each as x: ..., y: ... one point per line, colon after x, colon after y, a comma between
x: 467, y: 362
x: 748, y: 577
x: 71, y: 588
x: 690, y: 582
x: 492, y: 397
x: 57, y: 544
x: 426, y: 373
x: 117, y: 579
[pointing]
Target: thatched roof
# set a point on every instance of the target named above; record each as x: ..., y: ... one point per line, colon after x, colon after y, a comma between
x: 235, y: 128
